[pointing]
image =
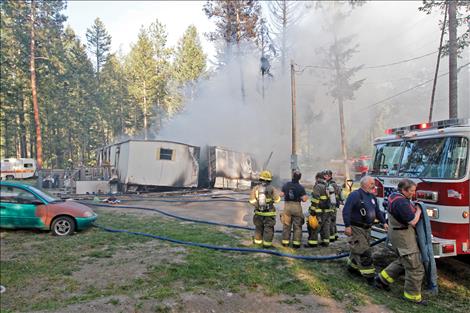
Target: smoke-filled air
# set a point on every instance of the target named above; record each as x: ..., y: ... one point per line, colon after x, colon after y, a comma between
x: 389, y: 49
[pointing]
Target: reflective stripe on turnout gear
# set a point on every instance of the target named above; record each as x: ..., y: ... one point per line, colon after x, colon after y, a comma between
x: 416, y: 298
x: 265, y: 213
x: 267, y: 243
x: 386, y: 277
x: 285, y: 242
x: 258, y: 242
x: 367, y: 271
x: 312, y: 242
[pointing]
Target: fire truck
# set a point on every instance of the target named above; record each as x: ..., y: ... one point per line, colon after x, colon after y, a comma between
x: 436, y: 157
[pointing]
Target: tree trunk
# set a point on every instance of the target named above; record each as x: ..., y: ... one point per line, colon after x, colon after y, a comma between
x: 21, y: 115
x: 453, y: 60
x: 145, y: 111
x: 284, y: 34
x: 343, y: 139
x: 37, y: 121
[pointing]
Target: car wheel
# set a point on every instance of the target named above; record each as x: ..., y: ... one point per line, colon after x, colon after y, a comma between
x: 63, y: 226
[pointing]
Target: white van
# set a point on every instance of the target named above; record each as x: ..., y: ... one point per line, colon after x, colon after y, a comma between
x: 21, y: 168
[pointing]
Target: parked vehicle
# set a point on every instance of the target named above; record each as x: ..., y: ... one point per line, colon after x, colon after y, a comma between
x: 436, y: 157
x: 13, y: 168
x: 24, y: 206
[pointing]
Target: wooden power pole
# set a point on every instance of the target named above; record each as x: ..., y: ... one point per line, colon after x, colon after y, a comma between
x: 294, y: 165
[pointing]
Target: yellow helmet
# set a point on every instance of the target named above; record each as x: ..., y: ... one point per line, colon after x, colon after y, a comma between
x: 266, y: 175
x: 313, y: 222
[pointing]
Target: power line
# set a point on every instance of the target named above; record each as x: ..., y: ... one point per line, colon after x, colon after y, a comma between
x: 399, y: 62
x: 365, y: 67
x: 409, y: 89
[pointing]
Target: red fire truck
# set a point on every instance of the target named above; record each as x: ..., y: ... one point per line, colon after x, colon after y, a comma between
x: 435, y: 156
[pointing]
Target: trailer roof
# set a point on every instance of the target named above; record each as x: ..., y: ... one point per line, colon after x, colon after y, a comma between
x: 148, y: 140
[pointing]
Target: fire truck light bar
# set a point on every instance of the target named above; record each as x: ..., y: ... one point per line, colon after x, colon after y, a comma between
x: 433, y: 125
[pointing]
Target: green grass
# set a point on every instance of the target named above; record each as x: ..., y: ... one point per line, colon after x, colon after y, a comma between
x: 38, y: 272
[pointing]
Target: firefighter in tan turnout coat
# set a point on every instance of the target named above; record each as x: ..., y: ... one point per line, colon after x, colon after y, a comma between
x: 263, y: 197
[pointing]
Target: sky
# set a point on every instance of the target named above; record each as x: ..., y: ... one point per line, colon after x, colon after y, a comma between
x: 123, y: 19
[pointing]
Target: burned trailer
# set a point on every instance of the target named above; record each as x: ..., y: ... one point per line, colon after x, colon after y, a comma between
x: 231, y: 169
x: 141, y: 164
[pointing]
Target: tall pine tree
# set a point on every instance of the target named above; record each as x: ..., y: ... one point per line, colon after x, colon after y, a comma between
x: 99, y: 43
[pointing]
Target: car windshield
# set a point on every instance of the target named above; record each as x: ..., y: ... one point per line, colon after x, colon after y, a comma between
x: 44, y: 195
x: 445, y: 158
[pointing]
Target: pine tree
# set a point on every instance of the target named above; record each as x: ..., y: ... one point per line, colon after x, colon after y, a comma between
x: 337, y: 57
x: 114, y: 86
x: 283, y: 16
x: 99, y: 43
x: 190, y: 60
x: 143, y: 77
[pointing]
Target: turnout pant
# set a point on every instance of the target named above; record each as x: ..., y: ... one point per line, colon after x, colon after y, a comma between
x: 264, y: 229
x: 360, y: 257
x: 323, y: 229
x: 292, y: 218
x: 414, y: 272
x: 333, y: 230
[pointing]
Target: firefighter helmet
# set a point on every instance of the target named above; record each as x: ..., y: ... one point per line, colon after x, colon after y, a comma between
x: 313, y: 222
x: 266, y: 175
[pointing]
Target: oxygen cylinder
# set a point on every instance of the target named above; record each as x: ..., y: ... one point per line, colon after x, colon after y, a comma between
x: 332, y: 194
x: 262, y: 198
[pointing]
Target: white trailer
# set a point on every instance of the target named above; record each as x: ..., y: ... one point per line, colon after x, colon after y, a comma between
x: 151, y: 163
x: 22, y: 168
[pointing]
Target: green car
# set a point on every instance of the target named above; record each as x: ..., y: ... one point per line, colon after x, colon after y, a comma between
x: 24, y: 206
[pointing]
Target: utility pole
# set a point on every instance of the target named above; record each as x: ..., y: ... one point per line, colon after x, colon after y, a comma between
x: 453, y: 113
x: 294, y: 145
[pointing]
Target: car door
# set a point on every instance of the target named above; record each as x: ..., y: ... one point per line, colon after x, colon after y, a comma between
x: 18, y: 208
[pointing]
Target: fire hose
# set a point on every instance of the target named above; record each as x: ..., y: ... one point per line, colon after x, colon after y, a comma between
x: 215, y: 247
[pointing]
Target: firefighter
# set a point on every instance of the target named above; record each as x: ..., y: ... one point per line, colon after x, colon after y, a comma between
x: 292, y: 216
x: 359, y: 212
x: 263, y: 197
x: 403, y: 217
x: 334, y: 194
x: 320, y: 207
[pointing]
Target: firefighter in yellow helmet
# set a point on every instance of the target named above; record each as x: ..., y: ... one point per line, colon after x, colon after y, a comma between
x: 263, y: 197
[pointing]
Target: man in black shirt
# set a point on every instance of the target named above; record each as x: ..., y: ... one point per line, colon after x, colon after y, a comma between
x: 359, y: 212
x: 292, y: 216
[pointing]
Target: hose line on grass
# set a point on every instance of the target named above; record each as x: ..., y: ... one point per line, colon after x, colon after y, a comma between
x: 234, y: 249
x: 186, y: 219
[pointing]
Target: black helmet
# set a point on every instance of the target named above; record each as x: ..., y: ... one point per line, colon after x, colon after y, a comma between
x: 328, y: 172
x: 296, y: 175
